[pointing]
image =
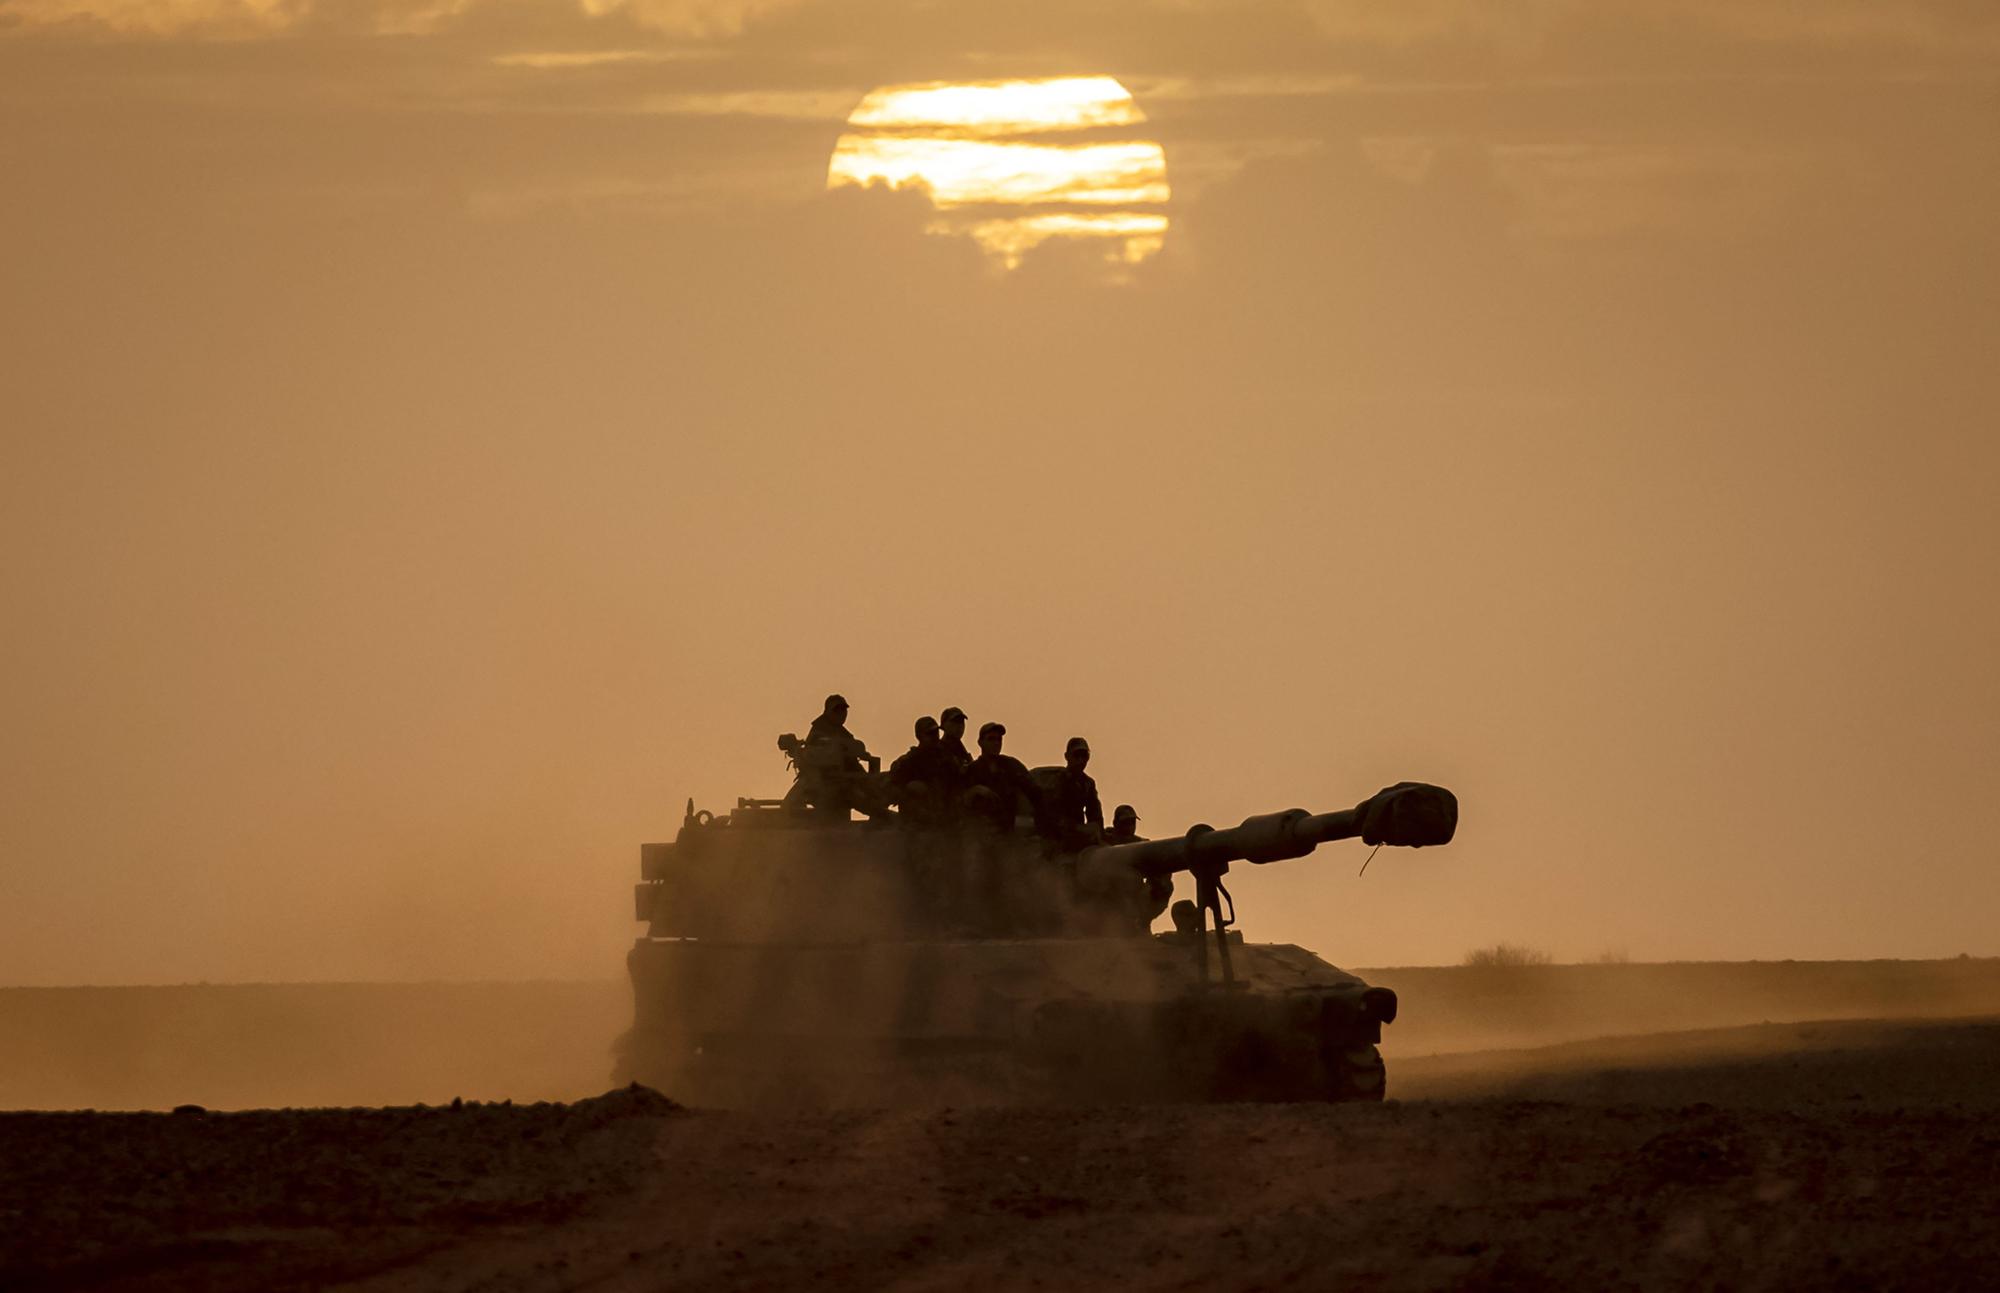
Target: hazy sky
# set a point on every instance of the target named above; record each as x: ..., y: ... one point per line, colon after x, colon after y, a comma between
x: 437, y: 438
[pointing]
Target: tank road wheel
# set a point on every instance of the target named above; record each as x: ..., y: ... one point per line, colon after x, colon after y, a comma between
x: 1355, y: 1073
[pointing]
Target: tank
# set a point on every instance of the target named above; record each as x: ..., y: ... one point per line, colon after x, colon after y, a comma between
x: 794, y: 957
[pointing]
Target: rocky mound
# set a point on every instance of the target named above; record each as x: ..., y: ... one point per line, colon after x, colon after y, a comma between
x: 89, y: 1197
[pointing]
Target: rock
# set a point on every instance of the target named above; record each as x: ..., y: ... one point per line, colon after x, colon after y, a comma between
x: 632, y: 1101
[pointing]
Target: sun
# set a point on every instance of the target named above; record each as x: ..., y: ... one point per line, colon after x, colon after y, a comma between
x: 1013, y: 164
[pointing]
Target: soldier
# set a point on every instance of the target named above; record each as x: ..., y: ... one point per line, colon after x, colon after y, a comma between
x: 1075, y: 814
x: 1124, y: 826
x: 830, y: 729
x: 1005, y: 777
x: 923, y: 779
x: 835, y: 768
x: 914, y: 763
x: 952, y: 726
x: 1154, y: 892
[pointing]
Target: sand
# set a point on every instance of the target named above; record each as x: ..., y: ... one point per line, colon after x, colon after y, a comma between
x: 1837, y: 1154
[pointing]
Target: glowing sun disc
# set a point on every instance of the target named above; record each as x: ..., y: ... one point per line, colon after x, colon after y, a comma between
x: 1009, y: 163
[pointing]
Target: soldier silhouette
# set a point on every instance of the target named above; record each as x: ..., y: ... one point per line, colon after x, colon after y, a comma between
x: 923, y: 778
x: 1152, y: 893
x: 1005, y: 778
x: 1124, y: 826
x: 836, y: 771
x: 951, y: 735
x: 1075, y: 815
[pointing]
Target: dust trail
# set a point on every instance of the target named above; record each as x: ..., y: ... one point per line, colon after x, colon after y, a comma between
x: 1845, y: 1063
x: 1465, y: 1008
x: 248, y: 1046
x: 241, y: 1046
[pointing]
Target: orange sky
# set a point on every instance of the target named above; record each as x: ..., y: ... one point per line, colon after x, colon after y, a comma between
x: 440, y: 437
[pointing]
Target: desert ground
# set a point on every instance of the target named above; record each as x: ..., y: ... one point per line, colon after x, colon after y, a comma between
x: 1857, y: 1145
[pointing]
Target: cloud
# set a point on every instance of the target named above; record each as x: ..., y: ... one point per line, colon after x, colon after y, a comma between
x: 245, y: 18
x: 707, y: 18
x: 1543, y: 30
x: 234, y: 19
x: 574, y: 59
x: 418, y: 17
x: 1265, y: 46
x: 159, y: 17
x: 786, y: 105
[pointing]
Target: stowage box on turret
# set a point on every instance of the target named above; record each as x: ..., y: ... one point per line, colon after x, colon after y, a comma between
x: 792, y: 956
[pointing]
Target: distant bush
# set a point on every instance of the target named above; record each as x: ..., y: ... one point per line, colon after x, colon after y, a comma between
x: 1612, y: 956
x: 1507, y: 954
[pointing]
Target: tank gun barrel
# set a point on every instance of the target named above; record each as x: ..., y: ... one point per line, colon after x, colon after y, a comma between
x: 1409, y: 814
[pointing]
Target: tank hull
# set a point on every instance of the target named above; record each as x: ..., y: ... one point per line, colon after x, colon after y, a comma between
x: 1028, y: 1020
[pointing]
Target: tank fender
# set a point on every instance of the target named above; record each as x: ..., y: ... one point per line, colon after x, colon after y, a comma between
x: 1356, y: 1012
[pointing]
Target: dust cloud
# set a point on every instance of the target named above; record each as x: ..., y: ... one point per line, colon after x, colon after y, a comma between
x: 261, y: 1046
x: 1466, y: 1008
x: 248, y: 1046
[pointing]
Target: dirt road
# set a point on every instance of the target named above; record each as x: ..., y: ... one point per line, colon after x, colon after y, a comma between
x: 1857, y: 1155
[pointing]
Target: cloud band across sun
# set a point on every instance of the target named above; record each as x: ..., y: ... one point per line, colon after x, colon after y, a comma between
x: 1013, y: 164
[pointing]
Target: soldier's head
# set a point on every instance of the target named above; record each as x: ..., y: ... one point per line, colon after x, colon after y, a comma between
x: 1124, y: 820
x: 927, y: 730
x: 1077, y: 753
x: 990, y: 736
x: 836, y: 706
x: 953, y: 723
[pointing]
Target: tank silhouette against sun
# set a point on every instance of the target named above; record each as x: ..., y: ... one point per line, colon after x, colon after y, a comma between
x: 793, y: 957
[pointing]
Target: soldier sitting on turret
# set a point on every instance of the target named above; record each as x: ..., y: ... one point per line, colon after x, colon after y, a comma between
x: 951, y: 739
x: 1005, y: 778
x: 1155, y: 891
x: 836, y: 771
x: 923, y: 780
x: 830, y: 728
x: 1124, y: 826
x: 1074, y: 816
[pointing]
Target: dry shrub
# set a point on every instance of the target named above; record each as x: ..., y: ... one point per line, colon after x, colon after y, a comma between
x: 1507, y: 954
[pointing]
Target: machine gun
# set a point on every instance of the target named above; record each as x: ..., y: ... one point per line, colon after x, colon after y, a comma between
x: 1408, y: 814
